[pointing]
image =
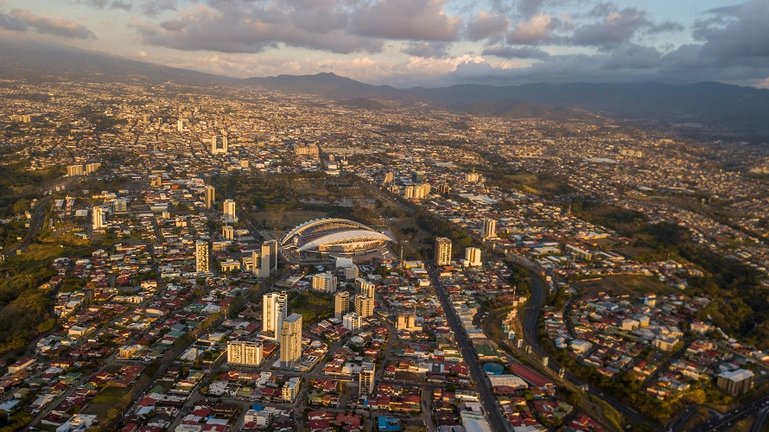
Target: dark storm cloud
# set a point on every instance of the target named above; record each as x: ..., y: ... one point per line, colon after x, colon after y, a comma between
x: 515, y: 52
x: 737, y: 32
x: 22, y: 20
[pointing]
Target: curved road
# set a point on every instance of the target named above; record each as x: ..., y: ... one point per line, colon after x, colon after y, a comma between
x: 537, y: 299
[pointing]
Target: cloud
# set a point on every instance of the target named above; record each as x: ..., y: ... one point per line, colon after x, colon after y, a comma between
x: 422, y: 20
x: 616, y: 27
x: 426, y: 49
x: 339, y: 26
x: 113, y: 4
x: 12, y: 23
x: 243, y: 27
x: 737, y: 32
x: 155, y: 7
x: 22, y: 20
x: 486, y: 25
x: 529, y: 8
x: 536, y: 30
x: 508, y: 52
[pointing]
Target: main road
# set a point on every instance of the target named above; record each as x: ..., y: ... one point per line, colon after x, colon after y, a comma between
x: 488, y: 400
x: 757, y: 407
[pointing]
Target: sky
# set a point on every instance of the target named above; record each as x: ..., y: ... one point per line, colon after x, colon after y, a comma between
x: 419, y: 42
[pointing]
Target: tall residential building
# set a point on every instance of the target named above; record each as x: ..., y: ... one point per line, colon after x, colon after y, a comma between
x: 389, y: 177
x: 180, y: 125
x: 416, y: 192
x: 274, y: 311
x: 442, y: 251
x: 366, y: 379
x: 735, y: 382
x: 366, y: 288
x: 291, y: 340
x: 472, y: 177
x: 364, y: 305
x: 269, y: 258
x: 97, y: 218
x: 352, y: 321
x: 92, y: 167
x: 351, y: 273
x: 210, y: 196
x: 120, y: 205
x: 201, y: 256
x: 489, y: 229
x: 324, y: 282
x: 73, y: 170
x: 256, y: 261
x: 229, y: 211
x: 406, y: 321
x: 219, y: 144
x: 473, y: 257
x: 244, y: 353
x: 341, y: 304
x: 290, y: 389
x: 228, y: 232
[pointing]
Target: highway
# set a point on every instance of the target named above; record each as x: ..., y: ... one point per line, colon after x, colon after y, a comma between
x: 723, y: 423
x: 488, y: 400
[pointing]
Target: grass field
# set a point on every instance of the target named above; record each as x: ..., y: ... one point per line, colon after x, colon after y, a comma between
x: 109, y: 397
x: 623, y: 284
x: 284, y: 220
x: 313, y: 306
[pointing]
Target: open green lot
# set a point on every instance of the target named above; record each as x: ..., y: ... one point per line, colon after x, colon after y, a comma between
x: 313, y: 306
x: 623, y: 284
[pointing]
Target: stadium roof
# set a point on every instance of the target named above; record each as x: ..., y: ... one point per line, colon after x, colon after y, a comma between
x: 347, y: 236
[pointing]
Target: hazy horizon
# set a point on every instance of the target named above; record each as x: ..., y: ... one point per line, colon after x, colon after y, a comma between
x: 419, y: 42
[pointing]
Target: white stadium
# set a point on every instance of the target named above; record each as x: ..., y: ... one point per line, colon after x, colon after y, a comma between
x: 321, y: 239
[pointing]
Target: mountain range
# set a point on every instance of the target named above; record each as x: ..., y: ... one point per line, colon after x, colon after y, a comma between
x: 714, y: 104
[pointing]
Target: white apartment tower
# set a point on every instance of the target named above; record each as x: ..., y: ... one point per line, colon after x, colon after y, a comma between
x: 201, y: 257
x: 352, y: 321
x: 210, y: 196
x: 366, y: 288
x: 366, y: 379
x: 324, y: 282
x: 274, y: 311
x: 244, y: 353
x: 228, y: 232
x: 364, y: 305
x: 473, y: 257
x: 341, y: 304
x: 291, y: 340
x: 442, y: 251
x: 97, y: 220
x: 489, y: 229
x: 229, y: 211
x: 219, y: 144
x: 268, y: 258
